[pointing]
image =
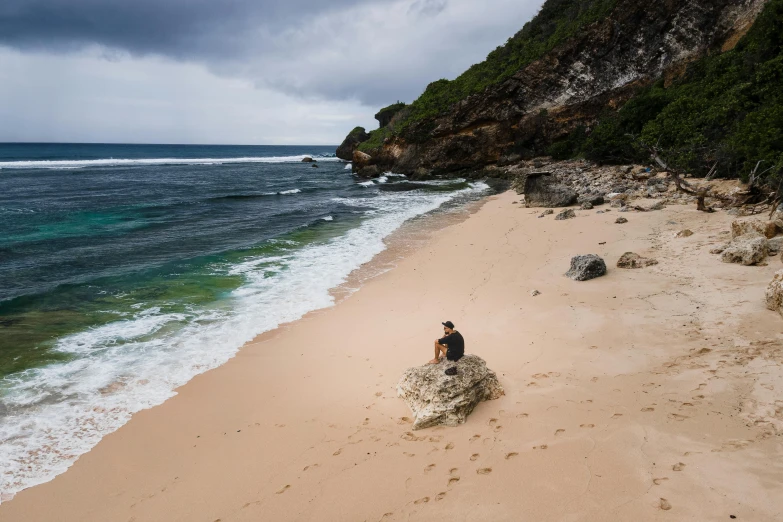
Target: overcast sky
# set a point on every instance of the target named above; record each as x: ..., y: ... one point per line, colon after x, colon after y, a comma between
x: 230, y: 71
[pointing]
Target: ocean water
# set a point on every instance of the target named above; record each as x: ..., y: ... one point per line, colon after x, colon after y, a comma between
x: 125, y: 270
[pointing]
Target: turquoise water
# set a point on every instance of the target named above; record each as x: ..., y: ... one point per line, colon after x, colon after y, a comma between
x: 125, y: 270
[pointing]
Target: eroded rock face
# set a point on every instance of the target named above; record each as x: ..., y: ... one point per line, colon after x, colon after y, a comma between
x: 349, y: 144
x: 437, y: 399
x: 775, y: 293
x: 584, y: 268
x: 767, y: 229
x: 750, y: 249
x: 632, y: 260
x: 542, y: 190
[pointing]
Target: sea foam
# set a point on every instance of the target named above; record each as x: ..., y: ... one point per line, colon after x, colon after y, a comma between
x: 119, y: 162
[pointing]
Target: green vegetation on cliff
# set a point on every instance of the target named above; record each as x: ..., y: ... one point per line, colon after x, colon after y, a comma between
x: 726, y: 109
x: 557, y: 21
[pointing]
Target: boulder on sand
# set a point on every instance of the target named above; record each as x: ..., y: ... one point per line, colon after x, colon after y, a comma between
x: 750, y: 249
x: 437, y: 399
x: 584, y: 268
x: 566, y: 214
x: 632, y: 260
x: 740, y: 227
x: 542, y: 190
x: 775, y: 293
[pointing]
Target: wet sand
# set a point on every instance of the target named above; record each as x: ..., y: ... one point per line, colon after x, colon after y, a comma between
x: 649, y: 394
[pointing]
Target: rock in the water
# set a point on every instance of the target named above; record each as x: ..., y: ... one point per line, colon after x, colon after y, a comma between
x: 547, y: 212
x: 775, y: 293
x: 541, y: 190
x: 437, y: 399
x: 684, y: 233
x: 749, y: 249
x: 315, y: 165
x: 767, y: 229
x: 349, y: 144
x: 632, y: 260
x: 621, y: 220
x: 587, y: 206
x: 566, y: 214
x: 360, y: 160
x: 584, y: 268
x: 370, y: 171
x: 307, y: 159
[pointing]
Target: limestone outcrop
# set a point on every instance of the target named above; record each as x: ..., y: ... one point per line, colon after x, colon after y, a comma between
x: 775, y: 293
x: 584, y: 268
x: 748, y: 249
x: 437, y: 399
x: 767, y: 229
x: 541, y: 189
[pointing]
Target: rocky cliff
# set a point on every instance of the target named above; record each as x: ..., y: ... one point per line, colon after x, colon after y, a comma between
x: 597, y: 69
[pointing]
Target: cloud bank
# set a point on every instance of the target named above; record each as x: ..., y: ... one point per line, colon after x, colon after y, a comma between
x: 299, y: 53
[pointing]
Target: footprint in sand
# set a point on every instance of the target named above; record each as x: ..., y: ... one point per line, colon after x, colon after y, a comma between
x: 337, y: 452
x: 474, y: 438
x: 492, y: 422
x: 659, y: 481
x: 540, y: 376
x: 366, y: 421
x: 678, y: 467
x: 510, y: 455
x: 647, y: 410
x: 410, y: 437
x: 587, y: 425
x: 498, y: 429
x: 449, y: 446
x: 522, y: 416
x: 664, y: 504
x: 559, y: 432
x: 283, y: 489
x: 429, y: 468
x: 543, y: 447
x: 422, y: 500
x: 311, y: 466
x: 404, y: 420
x: 617, y: 415
x: 474, y: 456
x: 453, y: 471
x: 484, y: 471
x: 678, y: 417
x: 434, y: 439
x: 378, y: 394
x: 408, y: 454
x: 440, y: 496
x: 452, y: 481
x: 687, y: 404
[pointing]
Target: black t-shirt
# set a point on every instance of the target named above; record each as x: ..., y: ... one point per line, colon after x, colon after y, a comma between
x: 456, y: 346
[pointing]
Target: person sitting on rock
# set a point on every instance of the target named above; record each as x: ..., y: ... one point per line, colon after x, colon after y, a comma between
x: 452, y: 345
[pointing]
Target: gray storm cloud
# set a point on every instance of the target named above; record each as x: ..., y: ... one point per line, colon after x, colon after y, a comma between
x: 372, y: 52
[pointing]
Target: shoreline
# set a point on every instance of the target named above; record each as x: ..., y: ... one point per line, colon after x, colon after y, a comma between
x: 612, y: 411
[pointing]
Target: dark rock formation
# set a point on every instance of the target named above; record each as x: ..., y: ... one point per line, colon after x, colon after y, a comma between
x: 349, y: 144
x: 438, y: 399
x: 542, y: 190
x: 632, y: 260
x: 621, y: 221
x: 386, y: 114
x: 566, y: 214
x: 307, y: 159
x: 584, y: 268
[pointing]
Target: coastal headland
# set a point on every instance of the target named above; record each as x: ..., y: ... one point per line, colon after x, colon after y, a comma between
x: 646, y: 394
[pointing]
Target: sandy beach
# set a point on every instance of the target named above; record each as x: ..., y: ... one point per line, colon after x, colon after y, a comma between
x: 650, y: 394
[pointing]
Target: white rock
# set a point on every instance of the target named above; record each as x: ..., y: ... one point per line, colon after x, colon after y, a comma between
x: 749, y: 249
x: 437, y: 399
x: 775, y: 293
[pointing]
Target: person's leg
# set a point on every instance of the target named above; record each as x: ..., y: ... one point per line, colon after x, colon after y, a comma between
x: 438, y: 349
